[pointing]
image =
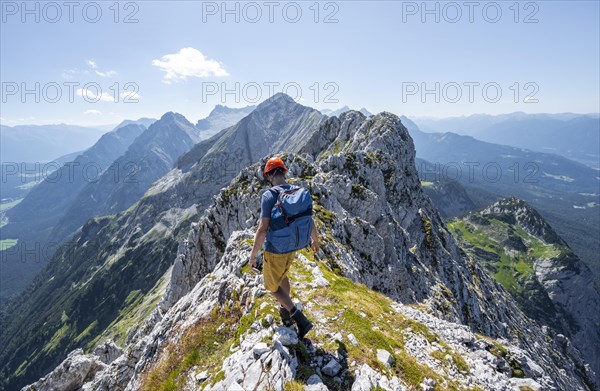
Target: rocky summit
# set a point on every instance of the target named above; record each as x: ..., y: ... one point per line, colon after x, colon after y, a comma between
x: 550, y: 283
x: 397, y: 304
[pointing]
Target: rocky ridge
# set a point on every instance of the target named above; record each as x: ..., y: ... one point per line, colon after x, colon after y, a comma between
x: 362, y: 175
x: 108, y: 277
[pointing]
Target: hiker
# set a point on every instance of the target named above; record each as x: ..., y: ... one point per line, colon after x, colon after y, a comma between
x: 287, y: 225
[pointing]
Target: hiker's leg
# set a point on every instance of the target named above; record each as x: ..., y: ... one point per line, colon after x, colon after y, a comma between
x: 285, y: 282
x: 286, y: 318
x: 275, y: 271
x: 285, y: 285
x: 284, y: 299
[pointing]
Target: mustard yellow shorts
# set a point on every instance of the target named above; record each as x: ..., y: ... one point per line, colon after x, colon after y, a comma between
x: 275, y: 268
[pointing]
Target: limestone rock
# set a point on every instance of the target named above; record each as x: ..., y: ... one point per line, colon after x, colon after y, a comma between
x: 384, y: 357
x: 332, y: 368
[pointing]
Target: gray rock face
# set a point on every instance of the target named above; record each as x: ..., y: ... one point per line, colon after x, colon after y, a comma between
x: 352, y: 339
x: 259, y: 349
x: 366, y: 379
x: 314, y: 383
x: 286, y: 336
x: 221, y: 117
x: 71, y: 374
x: 107, y: 352
x: 450, y: 198
x: 361, y: 172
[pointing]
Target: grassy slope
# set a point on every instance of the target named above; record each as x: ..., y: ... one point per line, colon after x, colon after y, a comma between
x: 349, y: 308
x: 104, y: 304
x: 365, y: 313
x: 488, y: 240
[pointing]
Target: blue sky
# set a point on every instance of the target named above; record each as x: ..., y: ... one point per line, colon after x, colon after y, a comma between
x: 378, y: 55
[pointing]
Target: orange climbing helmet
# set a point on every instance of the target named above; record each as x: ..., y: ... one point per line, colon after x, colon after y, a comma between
x: 274, y: 163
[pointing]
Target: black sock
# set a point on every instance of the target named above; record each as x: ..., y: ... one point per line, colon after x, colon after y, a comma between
x: 293, y: 311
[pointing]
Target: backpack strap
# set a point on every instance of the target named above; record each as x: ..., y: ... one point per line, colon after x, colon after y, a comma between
x: 279, y: 204
x: 279, y: 191
x: 307, y: 212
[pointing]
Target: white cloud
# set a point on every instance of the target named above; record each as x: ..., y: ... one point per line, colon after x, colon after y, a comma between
x: 70, y: 73
x: 94, y: 66
x: 91, y: 96
x: 188, y: 62
x: 92, y: 112
x: 106, y: 74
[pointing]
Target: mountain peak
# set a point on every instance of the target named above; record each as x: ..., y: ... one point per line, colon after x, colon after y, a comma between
x: 279, y: 99
x: 515, y: 210
x: 345, y: 108
x: 146, y: 122
x: 365, y: 111
x: 222, y: 109
x: 180, y: 121
x: 172, y: 116
x: 513, y: 203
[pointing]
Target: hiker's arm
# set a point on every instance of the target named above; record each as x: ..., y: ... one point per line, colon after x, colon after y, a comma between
x: 315, y: 237
x: 259, y: 238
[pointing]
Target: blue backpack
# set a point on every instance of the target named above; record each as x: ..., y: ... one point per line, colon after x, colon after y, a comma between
x: 291, y: 220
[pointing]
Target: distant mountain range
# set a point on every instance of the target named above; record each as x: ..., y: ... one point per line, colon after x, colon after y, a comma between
x: 564, y: 191
x: 124, y: 181
x: 42, y: 143
x: 30, y: 167
x: 167, y: 280
x: 32, y: 220
x: 146, y: 122
x: 450, y: 197
x: 336, y: 113
x: 136, y: 250
x: 105, y: 179
x: 571, y: 135
x: 221, y: 117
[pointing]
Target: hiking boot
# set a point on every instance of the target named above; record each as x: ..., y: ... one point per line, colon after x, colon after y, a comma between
x: 304, y: 325
x: 286, y: 318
